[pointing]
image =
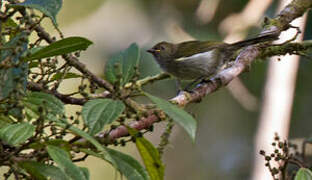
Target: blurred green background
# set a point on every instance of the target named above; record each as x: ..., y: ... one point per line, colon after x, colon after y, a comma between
x: 226, y: 130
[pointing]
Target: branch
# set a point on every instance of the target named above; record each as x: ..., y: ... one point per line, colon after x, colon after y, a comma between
x: 148, y: 79
x: 246, y: 56
x: 121, y: 131
x: 66, y: 99
x: 82, y: 68
x: 281, y: 23
x: 69, y: 58
x: 289, y: 48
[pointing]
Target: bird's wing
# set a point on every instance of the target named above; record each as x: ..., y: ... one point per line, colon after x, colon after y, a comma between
x: 190, y: 48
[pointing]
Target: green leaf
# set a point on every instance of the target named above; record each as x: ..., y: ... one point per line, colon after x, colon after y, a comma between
x: 64, y: 46
x: 127, y: 61
x: 130, y: 62
x: 55, y: 142
x: 304, y: 174
x: 85, y: 172
x: 177, y: 114
x: 47, y: 101
x: 89, y: 138
x: 126, y: 164
x: 15, y: 134
x: 113, y: 68
x: 61, y: 123
x: 5, y: 120
x: 33, y: 64
x: 32, y: 51
x: 9, y: 23
x: 68, y: 75
x: 64, y: 162
x: 97, y: 113
x: 48, y: 7
x: 42, y: 171
x: 151, y: 158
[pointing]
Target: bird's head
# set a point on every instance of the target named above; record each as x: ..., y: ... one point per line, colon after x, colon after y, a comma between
x: 163, y: 51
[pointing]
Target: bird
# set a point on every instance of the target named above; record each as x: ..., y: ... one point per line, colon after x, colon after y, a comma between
x: 194, y: 60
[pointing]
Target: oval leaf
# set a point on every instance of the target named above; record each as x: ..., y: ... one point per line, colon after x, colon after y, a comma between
x: 177, y: 114
x: 85, y: 172
x: 50, y: 102
x: 126, y: 164
x: 127, y: 61
x: 304, y: 174
x: 32, y: 51
x: 42, y: 171
x: 64, y: 162
x: 5, y: 120
x: 131, y: 59
x: 48, y: 7
x: 68, y: 75
x: 151, y: 158
x: 102, y: 149
x: 61, y: 123
x: 113, y: 68
x: 17, y: 133
x: 97, y: 113
x: 64, y: 46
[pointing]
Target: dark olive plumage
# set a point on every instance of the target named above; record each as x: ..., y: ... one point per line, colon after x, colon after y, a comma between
x: 198, y: 59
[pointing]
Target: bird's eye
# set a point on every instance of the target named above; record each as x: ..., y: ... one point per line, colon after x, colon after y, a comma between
x: 162, y: 48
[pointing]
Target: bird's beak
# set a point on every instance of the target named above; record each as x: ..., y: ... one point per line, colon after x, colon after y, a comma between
x: 152, y: 51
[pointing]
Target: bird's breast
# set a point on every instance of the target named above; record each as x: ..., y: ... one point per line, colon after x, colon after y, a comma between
x: 199, y: 65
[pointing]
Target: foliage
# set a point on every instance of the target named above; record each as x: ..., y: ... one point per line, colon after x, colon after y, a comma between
x: 41, y: 140
x: 288, y: 157
x: 33, y: 118
x: 181, y: 117
x: 303, y: 174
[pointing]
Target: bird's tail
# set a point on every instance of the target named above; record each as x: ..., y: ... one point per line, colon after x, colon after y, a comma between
x: 251, y: 41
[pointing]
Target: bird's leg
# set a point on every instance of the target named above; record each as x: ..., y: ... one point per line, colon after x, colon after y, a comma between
x: 179, y: 85
x: 189, y: 86
x: 204, y: 80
